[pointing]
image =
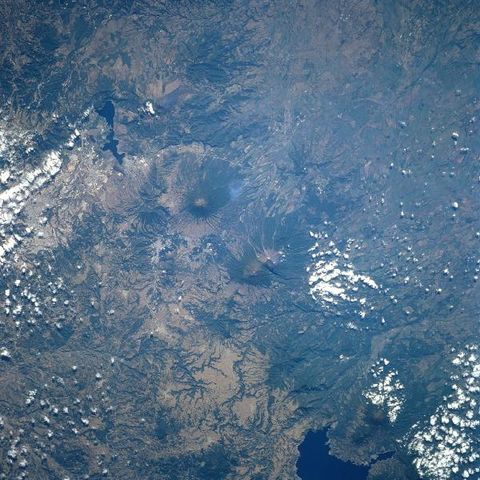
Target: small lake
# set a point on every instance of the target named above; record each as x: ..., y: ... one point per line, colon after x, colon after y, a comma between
x: 108, y: 113
x: 315, y: 463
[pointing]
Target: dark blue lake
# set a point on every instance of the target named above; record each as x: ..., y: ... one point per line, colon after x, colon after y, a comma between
x: 315, y: 463
x: 108, y: 113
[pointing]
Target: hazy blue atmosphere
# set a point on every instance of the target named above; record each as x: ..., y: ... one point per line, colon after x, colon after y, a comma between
x: 239, y: 239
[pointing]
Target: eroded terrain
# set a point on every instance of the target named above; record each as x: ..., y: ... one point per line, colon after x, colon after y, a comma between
x: 224, y: 224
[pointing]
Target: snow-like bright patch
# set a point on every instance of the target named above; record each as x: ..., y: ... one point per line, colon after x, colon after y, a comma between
x: 13, y: 199
x: 333, y: 279
x: 447, y: 446
x: 387, y: 390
